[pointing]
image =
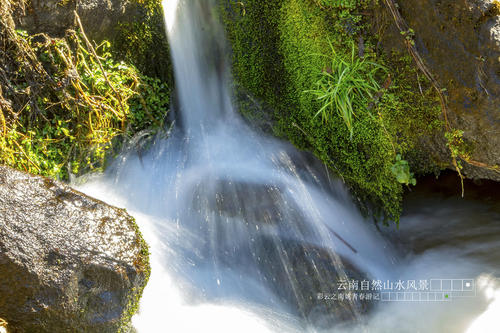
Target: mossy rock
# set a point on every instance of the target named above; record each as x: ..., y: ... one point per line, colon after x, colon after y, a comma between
x: 279, y: 51
x: 460, y: 43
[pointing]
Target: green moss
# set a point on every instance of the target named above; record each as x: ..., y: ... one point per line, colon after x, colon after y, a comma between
x: 255, y: 37
x: 142, y: 265
x: 276, y: 49
x: 143, y: 42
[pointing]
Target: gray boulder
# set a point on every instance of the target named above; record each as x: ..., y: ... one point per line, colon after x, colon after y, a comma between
x: 68, y: 263
x: 269, y: 243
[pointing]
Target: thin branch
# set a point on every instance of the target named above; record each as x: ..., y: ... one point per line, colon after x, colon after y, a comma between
x: 91, y: 48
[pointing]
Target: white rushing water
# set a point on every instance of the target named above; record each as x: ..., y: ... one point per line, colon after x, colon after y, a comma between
x: 245, y: 232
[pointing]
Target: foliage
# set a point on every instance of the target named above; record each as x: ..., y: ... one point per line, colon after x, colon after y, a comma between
x: 65, y: 119
x: 409, y: 35
x: 142, y: 264
x: 349, y: 4
x: 255, y: 38
x: 346, y: 85
x: 458, y: 147
x: 401, y: 169
x: 456, y: 143
x: 148, y: 107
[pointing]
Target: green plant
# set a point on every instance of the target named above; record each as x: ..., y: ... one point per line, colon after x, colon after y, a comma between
x: 348, y: 4
x: 409, y: 36
x: 347, y: 85
x: 148, y: 107
x: 458, y: 149
x: 401, y: 169
x: 81, y: 101
x: 143, y: 42
x: 457, y: 145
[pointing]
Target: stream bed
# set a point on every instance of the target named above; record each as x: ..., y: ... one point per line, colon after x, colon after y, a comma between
x: 248, y: 234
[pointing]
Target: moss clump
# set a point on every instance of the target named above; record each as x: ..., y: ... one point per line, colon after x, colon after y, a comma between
x: 277, y: 50
x: 143, y: 42
x: 254, y: 38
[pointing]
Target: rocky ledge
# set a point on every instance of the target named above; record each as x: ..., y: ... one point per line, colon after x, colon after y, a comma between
x: 68, y: 263
x: 460, y: 42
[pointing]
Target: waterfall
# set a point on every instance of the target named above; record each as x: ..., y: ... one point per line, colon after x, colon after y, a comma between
x: 245, y: 231
x: 201, y: 72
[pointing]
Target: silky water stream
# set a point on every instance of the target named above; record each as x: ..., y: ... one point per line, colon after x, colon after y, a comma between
x: 249, y: 235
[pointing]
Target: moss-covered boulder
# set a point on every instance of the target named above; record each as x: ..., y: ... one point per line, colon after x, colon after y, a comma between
x: 68, y: 263
x: 460, y: 43
x: 288, y: 54
x: 282, y: 50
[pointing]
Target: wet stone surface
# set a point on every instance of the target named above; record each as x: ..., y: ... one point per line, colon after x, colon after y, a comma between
x: 67, y: 262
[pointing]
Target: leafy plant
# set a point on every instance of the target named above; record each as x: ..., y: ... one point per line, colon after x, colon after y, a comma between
x: 82, y: 100
x: 148, y: 107
x: 401, y: 170
x: 409, y: 36
x: 346, y: 86
x: 272, y: 46
x: 457, y: 145
x: 458, y: 149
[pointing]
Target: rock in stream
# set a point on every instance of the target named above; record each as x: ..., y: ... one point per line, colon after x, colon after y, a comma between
x: 68, y: 263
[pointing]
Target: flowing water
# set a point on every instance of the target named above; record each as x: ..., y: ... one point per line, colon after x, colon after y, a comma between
x: 247, y: 234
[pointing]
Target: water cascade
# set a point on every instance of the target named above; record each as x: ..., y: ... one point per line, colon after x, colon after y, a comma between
x: 247, y: 233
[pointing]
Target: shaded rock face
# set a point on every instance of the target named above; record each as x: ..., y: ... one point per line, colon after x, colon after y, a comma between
x: 272, y: 241
x: 460, y: 42
x: 68, y: 263
x: 310, y: 273
x: 100, y: 18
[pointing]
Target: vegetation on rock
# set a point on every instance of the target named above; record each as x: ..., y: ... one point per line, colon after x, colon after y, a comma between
x: 345, y: 86
x: 64, y: 108
x: 65, y: 102
x: 275, y: 59
x: 71, y: 262
x: 144, y: 44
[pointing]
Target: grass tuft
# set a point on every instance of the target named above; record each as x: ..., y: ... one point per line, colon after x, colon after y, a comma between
x: 347, y: 86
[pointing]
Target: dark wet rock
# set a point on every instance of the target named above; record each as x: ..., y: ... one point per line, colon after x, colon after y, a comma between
x: 306, y: 278
x: 100, y: 18
x: 460, y: 42
x: 268, y: 241
x: 68, y: 263
x: 256, y: 114
x: 257, y: 204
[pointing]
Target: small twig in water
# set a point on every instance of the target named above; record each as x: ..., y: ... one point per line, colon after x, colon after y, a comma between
x: 343, y: 240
